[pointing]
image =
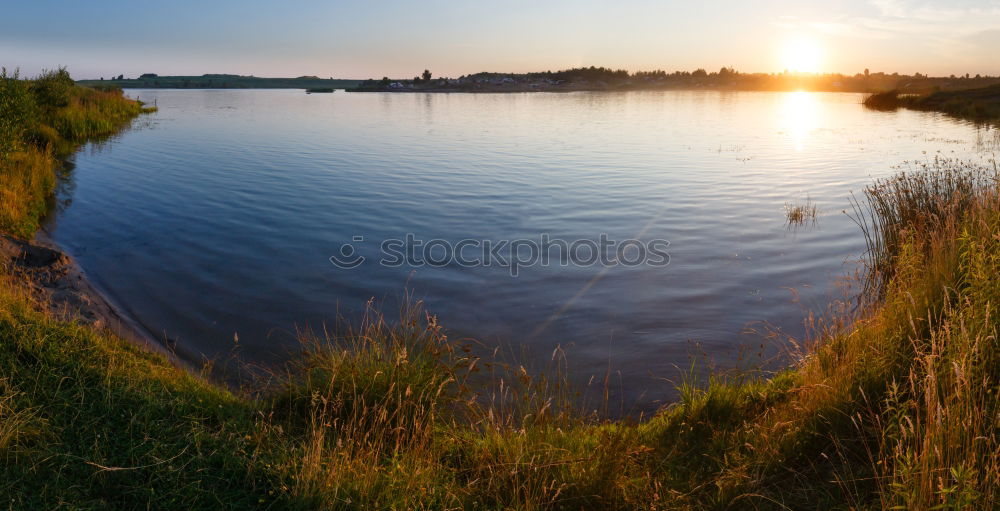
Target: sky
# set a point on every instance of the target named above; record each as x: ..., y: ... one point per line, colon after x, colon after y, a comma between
x: 363, y: 39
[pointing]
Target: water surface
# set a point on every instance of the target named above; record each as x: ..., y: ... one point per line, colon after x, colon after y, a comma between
x: 216, y: 216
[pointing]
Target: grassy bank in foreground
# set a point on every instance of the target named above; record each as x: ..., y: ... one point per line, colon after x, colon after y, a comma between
x: 892, y: 405
x: 44, y: 120
x: 982, y: 104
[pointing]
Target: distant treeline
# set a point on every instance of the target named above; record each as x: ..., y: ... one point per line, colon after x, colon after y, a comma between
x: 219, y: 81
x: 602, y: 78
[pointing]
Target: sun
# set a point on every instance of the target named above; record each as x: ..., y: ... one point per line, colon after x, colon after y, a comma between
x: 802, y: 55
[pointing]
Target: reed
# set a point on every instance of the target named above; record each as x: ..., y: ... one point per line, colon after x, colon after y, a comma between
x: 913, y: 205
x: 801, y: 214
x: 884, y: 101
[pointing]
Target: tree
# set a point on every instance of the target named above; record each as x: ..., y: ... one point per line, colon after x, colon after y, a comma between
x: 426, y: 75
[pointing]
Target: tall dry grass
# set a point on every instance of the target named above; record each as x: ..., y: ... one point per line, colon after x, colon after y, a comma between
x: 892, y: 406
x: 26, y: 181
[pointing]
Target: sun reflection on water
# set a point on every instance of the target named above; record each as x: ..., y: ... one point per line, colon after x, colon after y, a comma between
x: 800, y: 116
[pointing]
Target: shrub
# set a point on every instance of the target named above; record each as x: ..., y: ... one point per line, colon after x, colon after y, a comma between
x: 53, y: 88
x: 19, y: 112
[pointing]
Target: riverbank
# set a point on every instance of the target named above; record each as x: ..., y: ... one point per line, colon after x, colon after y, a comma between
x: 46, y: 120
x: 891, y: 403
x: 980, y: 104
x: 56, y: 282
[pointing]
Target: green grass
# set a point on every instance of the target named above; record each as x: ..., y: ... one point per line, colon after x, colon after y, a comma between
x: 977, y: 104
x: 45, y: 120
x: 96, y: 424
x: 890, y: 404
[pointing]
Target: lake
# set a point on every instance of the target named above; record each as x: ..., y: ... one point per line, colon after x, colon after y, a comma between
x: 217, y: 217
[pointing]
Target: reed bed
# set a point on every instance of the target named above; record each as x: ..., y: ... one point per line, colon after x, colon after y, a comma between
x: 912, y: 206
x: 980, y: 104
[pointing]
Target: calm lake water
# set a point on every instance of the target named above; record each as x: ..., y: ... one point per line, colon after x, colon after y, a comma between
x: 218, y: 215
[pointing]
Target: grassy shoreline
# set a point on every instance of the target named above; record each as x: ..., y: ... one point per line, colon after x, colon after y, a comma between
x: 980, y: 104
x: 45, y: 120
x: 892, y: 405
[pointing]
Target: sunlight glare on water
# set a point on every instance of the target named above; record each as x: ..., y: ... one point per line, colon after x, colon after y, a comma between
x: 801, y: 115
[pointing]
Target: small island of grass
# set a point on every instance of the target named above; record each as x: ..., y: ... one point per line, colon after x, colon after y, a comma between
x: 978, y: 104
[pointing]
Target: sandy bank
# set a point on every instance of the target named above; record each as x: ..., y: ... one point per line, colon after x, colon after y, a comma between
x: 61, y: 286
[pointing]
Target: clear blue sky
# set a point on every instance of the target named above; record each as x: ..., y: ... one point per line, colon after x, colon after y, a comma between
x: 361, y: 39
